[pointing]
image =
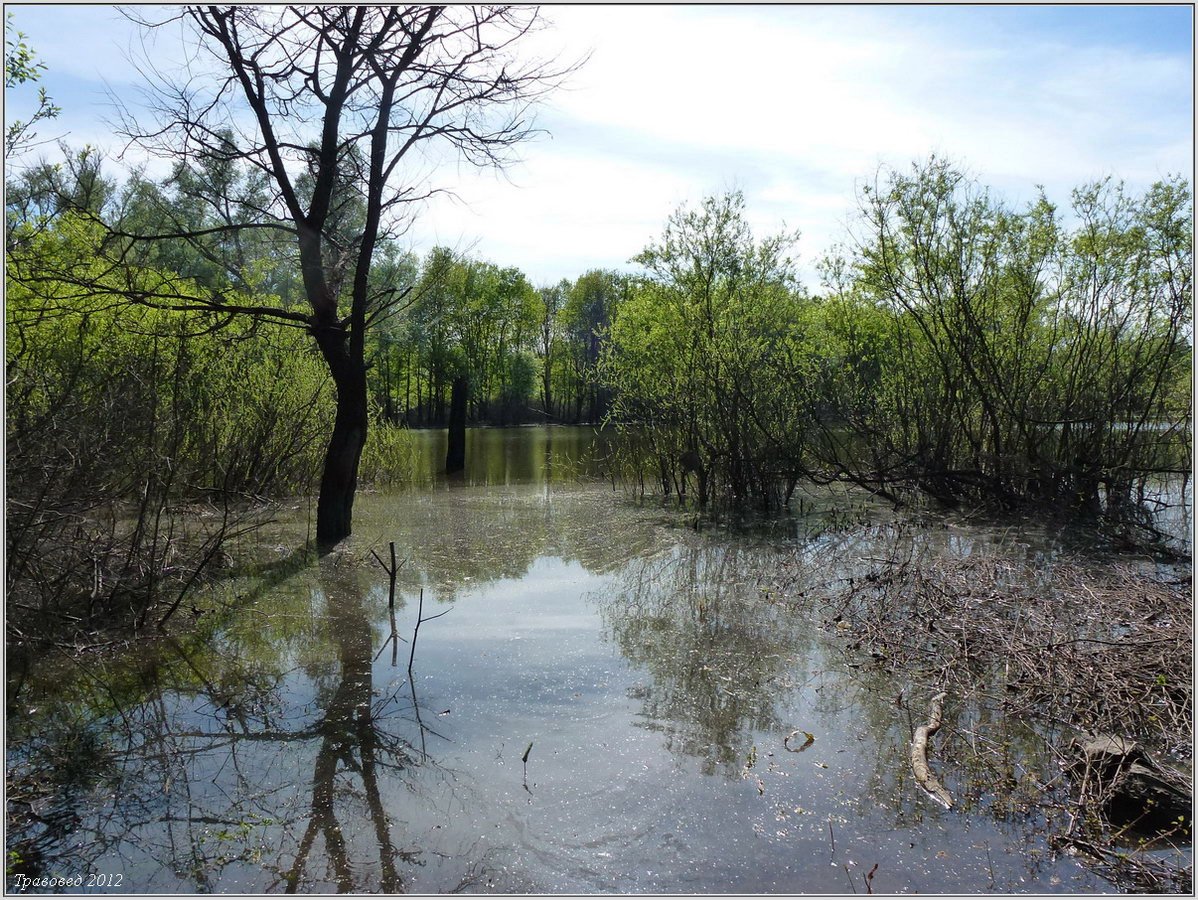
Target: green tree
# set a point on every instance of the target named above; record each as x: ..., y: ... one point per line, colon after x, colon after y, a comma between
x: 698, y: 349
x: 585, y: 320
x: 1025, y: 364
x: 390, y: 333
x: 551, y: 300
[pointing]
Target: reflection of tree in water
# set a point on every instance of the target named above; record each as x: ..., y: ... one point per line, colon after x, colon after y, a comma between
x: 714, y: 650
x: 456, y: 540
x: 203, y: 768
x: 352, y: 742
x: 508, y: 456
x: 262, y: 756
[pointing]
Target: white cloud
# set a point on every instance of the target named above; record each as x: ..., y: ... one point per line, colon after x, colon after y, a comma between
x: 843, y: 89
x: 559, y: 214
x: 813, y: 99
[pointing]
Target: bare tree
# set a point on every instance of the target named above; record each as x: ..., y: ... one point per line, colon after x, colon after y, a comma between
x: 332, y: 107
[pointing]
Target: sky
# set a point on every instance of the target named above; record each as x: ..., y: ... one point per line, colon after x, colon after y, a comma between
x: 797, y: 106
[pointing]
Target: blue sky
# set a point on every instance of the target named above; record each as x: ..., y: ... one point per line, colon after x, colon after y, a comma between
x: 796, y: 105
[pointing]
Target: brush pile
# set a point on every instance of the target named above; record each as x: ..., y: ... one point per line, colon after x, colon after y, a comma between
x: 1107, y: 650
x: 1087, y: 654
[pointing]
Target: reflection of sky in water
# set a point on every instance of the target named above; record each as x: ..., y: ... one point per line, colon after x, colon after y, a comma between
x: 654, y: 680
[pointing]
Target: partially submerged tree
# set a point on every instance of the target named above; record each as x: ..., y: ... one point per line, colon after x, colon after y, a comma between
x: 702, y: 351
x: 1023, y: 364
x: 332, y: 105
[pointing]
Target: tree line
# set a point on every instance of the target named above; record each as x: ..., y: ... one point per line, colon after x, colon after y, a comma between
x: 527, y: 354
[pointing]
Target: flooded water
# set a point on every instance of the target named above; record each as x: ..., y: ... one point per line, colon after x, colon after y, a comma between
x: 608, y: 701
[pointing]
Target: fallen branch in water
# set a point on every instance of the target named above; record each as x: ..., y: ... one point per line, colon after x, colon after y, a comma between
x: 919, y: 754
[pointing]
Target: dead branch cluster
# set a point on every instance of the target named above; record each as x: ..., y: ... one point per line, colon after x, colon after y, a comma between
x: 1101, y: 648
x: 1082, y: 651
x: 76, y: 581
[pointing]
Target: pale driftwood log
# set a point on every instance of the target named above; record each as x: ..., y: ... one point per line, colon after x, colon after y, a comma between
x: 919, y: 754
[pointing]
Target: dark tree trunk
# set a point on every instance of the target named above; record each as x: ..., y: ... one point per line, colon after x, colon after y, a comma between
x: 388, y: 403
x: 455, y: 457
x: 407, y: 399
x: 339, y: 480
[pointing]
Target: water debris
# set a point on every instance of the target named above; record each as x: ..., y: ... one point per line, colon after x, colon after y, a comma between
x: 524, y: 759
x: 808, y: 736
x: 919, y: 754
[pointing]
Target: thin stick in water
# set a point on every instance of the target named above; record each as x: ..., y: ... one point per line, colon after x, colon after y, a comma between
x: 393, y: 571
x: 416, y: 633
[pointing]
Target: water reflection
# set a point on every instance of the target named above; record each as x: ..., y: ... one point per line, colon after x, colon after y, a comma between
x: 717, y: 658
x: 228, y: 764
x: 454, y: 543
x: 656, y: 670
x: 514, y: 456
x: 354, y: 741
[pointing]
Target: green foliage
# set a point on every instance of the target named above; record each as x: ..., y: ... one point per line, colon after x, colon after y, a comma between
x: 518, y: 381
x: 701, y: 349
x: 1025, y: 363
x: 550, y: 341
x: 242, y: 392
x: 120, y: 413
x: 390, y: 456
x: 21, y: 66
x: 206, y: 216
x: 467, y: 318
x: 972, y: 352
x: 487, y: 323
x: 20, y: 62
x: 584, y: 321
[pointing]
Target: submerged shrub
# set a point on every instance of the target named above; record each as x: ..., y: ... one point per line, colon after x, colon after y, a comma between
x: 389, y: 457
x: 121, y: 416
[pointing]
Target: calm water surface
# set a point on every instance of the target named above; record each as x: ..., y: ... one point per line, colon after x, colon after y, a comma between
x: 602, y: 708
